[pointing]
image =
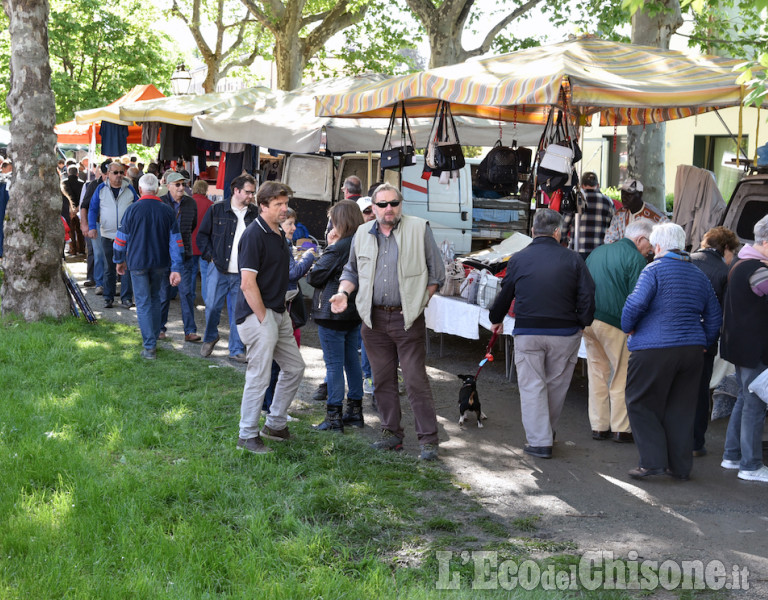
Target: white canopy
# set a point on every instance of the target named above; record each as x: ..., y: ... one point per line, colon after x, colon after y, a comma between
x: 288, y: 122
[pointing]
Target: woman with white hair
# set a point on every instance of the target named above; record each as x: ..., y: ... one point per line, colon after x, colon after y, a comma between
x: 671, y: 317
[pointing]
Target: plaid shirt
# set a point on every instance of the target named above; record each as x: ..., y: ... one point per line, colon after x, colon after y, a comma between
x: 594, y: 221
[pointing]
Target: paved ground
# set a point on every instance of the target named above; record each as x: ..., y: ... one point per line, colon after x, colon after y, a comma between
x: 583, y: 494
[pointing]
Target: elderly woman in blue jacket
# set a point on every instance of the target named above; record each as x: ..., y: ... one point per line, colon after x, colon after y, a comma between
x: 672, y: 316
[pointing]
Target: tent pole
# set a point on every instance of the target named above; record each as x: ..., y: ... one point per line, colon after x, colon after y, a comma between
x: 370, y: 169
x: 733, y: 137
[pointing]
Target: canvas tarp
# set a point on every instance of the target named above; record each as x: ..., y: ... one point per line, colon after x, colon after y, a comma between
x: 288, y: 122
x: 626, y: 84
x: 180, y: 110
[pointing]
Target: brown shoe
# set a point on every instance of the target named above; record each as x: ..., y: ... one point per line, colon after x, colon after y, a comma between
x: 192, y: 337
x: 207, y: 348
x: 278, y: 435
x: 162, y: 336
x: 623, y: 437
x: 254, y: 445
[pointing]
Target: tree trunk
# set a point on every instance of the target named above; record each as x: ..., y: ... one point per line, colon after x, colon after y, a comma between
x: 211, y: 74
x: 444, y: 43
x: 34, y: 235
x: 290, y: 62
x: 646, y: 143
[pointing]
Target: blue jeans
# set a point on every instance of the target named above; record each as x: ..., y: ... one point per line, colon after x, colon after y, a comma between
x: 3, y: 204
x: 147, y: 284
x: 186, y: 297
x: 98, y: 257
x: 365, y: 362
x: 221, y: 287
x: 340, y: 355
x: 744, y: 437
x: 202, y: 266
x: 110, y: 275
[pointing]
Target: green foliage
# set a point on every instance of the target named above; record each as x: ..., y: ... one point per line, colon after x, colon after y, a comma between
x: 102, y: 48
x: 669, y: 202
x: 383, y: 42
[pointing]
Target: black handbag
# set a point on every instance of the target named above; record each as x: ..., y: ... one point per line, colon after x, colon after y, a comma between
x: 444, y: 151
x: 399, y: 156
x: 297, y: 310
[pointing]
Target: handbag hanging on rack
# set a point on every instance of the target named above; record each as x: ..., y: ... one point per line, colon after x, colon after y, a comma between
x: 396, y: 154
x: 444, y: 151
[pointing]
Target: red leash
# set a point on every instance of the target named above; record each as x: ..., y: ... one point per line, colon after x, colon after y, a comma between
x: 488, y: 354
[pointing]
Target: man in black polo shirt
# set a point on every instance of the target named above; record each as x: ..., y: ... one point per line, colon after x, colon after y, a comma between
x: 263, y: 323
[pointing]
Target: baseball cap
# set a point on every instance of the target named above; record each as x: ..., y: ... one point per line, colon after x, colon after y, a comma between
x: 632, y: 185
x: 364, y: 202
x: 174, y: 177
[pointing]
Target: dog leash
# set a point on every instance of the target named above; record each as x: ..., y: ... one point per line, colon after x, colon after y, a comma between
x: 488, y: 354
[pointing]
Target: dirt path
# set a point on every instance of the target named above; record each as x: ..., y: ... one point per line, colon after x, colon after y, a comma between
x: 583, y: 494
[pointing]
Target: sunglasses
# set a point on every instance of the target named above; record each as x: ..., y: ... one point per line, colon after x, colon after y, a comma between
x: 393, y: 204
x: 116, y: 172
x: 177, y: 184
x: 368, y: 211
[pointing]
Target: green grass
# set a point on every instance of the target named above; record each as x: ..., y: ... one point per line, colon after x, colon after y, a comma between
x: 120, y: 479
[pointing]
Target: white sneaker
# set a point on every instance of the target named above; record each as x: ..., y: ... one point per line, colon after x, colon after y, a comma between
x: 730, y: 464
x: 368, y: 385
x: 290, y: 418
x: 760, y: 474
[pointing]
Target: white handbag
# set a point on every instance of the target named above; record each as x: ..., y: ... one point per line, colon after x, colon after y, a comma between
x: 759, y: 386
x: 557, y: 158
x: 487, y: 289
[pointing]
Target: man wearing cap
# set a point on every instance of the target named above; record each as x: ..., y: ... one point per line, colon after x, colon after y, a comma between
x: 109, y: 202
x: 634, y: 208
x: 366, y: 207
x: 185, y: 209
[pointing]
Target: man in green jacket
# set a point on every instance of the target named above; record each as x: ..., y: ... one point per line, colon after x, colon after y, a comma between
x: 615, y: 269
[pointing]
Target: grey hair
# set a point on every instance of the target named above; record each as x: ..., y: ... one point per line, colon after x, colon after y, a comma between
x: 384, y: 187
x: 148, y: 184
x: 668, y: 236
x: 639, y: 228
x: 546, y: 221
x: 761, y: 230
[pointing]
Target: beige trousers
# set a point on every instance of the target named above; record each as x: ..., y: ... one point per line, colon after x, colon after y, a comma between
x: 607, y: 357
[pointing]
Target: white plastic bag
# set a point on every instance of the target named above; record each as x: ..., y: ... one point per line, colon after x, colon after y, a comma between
x: 759, y: 386
x: 469, y: 286
x: 487, y: 289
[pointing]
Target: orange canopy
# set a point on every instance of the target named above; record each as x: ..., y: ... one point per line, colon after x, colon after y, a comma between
x: 73, y: 133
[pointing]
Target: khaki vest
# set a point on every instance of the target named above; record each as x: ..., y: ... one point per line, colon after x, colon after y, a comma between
x: 412, y: 274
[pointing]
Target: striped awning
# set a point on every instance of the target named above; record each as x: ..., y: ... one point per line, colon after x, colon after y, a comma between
x: 180, y: 110
x: 624, y: 83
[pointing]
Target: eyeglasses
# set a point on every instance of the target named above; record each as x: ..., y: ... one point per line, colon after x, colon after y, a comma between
x: 368, y: 211
x: 116, y: 172
x: 249, y: 192
x: 392, y: 203
x: 178, y: 184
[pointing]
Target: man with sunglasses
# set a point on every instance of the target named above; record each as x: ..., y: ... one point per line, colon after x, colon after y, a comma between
x: 185, y: 209
x: 108, y: 205
x: 633, y: 208
x: 217, y: 239
x: 396, y: 267
x: 615, y: 269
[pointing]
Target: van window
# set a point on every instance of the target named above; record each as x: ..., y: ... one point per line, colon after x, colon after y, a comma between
x: 753, y: 211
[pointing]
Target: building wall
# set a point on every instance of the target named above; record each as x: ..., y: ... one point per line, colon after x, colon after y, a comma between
x: 680, y: 135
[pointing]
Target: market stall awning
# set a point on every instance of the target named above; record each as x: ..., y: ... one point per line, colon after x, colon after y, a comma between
x: 111, y: 112
x: 180, y: 110
x: 288, y: 122
x: 625, y: 83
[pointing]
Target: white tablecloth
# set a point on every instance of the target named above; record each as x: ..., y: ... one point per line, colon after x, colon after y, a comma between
x: 456, y: 317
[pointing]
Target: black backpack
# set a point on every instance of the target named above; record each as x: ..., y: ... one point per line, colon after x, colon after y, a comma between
x: 498, y: 170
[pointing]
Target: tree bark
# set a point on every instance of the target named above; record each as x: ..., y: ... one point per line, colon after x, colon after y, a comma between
x: 34, y: 235
x: 646, y: 143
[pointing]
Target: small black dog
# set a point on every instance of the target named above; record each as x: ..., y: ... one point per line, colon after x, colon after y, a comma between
x: 469, y: 400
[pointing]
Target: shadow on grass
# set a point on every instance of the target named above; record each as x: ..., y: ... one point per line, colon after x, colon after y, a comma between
x: 121, y: 478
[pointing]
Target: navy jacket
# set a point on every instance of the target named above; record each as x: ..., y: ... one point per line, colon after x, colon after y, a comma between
x: 673, y: 304
x: 552, y: 289
x: 217, y: 232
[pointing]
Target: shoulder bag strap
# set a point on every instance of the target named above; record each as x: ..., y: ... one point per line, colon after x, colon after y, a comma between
x: 449, y: 114
x: 407, y: 128
x: 388, y: 137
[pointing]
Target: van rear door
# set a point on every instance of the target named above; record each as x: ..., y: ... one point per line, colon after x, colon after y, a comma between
x: 748, y: 204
